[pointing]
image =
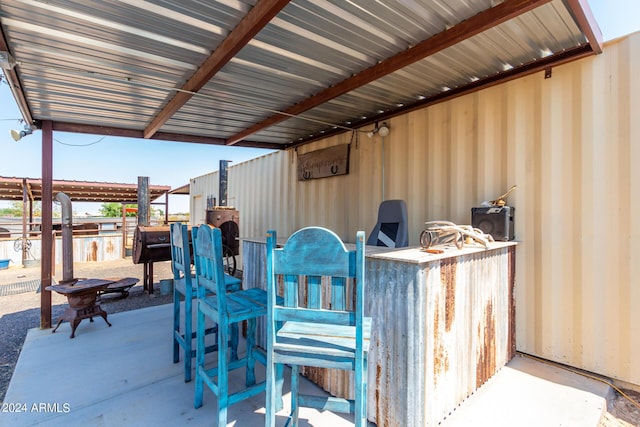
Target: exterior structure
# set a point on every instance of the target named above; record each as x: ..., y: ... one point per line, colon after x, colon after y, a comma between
x: 570, y: 143
x: 442, y: 325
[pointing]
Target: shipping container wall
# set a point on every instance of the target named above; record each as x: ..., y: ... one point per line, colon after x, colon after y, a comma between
x: 571, y: 144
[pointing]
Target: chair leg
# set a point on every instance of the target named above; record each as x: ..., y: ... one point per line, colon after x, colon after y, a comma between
x: 279, y: 379
x: 360, y: 415
x: 251, y: 361
x: 270, y: 415
x: 200, y: 350
x: 295, y: 388
x: 176, y: 326
x: 223, y: 375
x: 188, y: 337
x: 279, y: 383
x: 234, y: 341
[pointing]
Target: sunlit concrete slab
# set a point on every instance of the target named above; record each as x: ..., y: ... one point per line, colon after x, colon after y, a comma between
x: 124, y: 375
x: 533, y: 393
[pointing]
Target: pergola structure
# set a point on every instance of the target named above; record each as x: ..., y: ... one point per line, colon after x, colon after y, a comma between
x: 29, y: 190
x: 266, y: 73
x: 19, y: 189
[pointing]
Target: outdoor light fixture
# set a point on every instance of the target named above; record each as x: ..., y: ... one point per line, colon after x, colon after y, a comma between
x: 7, y: 62
x: 18, y: 135
x: 382, y: 130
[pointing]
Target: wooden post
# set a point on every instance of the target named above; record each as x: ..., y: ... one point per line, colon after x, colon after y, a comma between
x: 166, y: 208
x: 143, y: 200
x: 223, y: 182
x: 24, y: 220
x: 47, y: 224
x: 124, y: 231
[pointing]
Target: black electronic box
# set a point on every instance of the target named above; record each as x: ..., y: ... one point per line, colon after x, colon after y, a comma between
x: 494, y: 220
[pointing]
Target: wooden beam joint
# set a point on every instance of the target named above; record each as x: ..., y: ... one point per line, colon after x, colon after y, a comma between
x: 259, y: 16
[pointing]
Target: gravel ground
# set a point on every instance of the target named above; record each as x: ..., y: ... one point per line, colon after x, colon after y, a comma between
x: 21, y: 312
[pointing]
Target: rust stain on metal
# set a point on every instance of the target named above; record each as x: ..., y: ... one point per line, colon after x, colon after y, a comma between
x: 110, y: 247
x: 313, y: 374
x: 379, y: 414
x: 448, y: 279
x: 486, y: 361
x: 511, y: 346
x: 440, y: 361
x: 93, y: 252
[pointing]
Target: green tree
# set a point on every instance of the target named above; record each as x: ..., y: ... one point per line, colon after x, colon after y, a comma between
x: 113, y: 210
x: 15, y: 210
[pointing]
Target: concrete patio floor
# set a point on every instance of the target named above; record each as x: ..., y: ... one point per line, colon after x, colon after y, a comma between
x: 124, y: 376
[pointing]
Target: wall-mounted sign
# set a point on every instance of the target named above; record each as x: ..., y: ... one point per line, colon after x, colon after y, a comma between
x: 323, y: 163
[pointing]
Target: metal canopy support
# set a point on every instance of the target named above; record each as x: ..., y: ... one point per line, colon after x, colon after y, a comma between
x: 222, y: 182
x: 47, y: 224
x: 143, y: 201
x: 24, y: 220
x: 259, y: 16
x: 464, y: 30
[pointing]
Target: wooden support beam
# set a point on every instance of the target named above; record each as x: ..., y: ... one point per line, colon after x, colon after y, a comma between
x: 47, y: 224
x: 587, y: 23
x: 464, y: 30
x: 247, y: 28
x: 498, y: 78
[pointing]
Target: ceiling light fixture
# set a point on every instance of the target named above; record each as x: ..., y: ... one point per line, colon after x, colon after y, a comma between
x: 18, y: 135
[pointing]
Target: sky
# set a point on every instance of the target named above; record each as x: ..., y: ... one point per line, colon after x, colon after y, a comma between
x: 111, y: 159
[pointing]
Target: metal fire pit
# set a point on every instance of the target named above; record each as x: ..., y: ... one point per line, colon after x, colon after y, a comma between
x: 82, y: 297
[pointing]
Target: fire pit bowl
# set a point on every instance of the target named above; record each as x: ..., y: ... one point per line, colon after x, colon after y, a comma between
x: 82, y: 296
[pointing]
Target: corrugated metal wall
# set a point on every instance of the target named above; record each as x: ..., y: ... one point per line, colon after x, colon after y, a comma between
x: 570, y: 143
x: 85, y: 248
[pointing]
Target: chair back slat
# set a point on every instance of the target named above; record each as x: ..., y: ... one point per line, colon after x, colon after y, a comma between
x: 290, y: 290
x: 314, y: 292
x: 207, y: 250
x: 338, y: 293
x: 180, y: 256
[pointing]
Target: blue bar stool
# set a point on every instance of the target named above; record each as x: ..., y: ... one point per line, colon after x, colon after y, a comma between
x: 319, y: 323
x: 226, y: 310
x: 184, y: 289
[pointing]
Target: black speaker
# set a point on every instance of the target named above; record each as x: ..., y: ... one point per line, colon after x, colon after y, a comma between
x: 495, y: 220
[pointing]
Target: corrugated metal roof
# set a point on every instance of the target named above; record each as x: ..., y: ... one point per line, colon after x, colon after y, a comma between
x: 118, y: 65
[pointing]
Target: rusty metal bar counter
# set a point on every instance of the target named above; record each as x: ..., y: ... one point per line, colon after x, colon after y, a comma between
x: 442, y: 325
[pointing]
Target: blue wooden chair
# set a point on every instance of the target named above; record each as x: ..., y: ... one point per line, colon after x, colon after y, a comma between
x: 226, y: 310
x: 185, y: 289
x: 304, y: 330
